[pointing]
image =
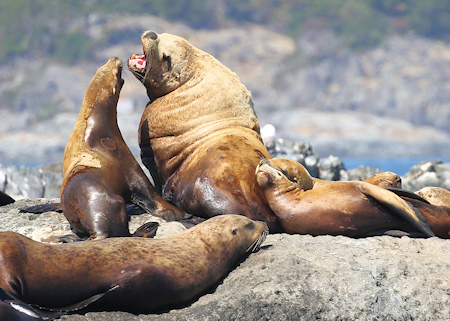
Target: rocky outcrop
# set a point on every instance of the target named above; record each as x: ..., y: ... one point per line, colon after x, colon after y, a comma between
x: 45, y: 181
x: 296, y: 277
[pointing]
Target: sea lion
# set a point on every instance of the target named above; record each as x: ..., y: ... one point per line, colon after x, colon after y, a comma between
x: 307, y: 205
x: 100, y: 173
x: 386, y: 179
x: 199, y: 135
x: 138, y: 275
x: 437, y: 212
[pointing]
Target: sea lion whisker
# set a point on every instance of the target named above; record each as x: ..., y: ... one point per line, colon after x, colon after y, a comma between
x: 257, y: 244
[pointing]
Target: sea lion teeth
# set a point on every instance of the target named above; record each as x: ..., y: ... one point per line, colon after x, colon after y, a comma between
x: 199, y: 136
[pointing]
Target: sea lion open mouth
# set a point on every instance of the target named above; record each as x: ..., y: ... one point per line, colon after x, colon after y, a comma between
x: 137, y: 64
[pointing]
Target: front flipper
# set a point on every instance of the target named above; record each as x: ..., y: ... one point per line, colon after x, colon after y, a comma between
x: 405, y: 193
x: 42, y: 208
x: 399, y: 206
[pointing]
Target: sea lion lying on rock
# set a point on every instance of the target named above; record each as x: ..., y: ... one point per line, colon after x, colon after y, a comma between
x: 100, y: 173
x: 133, y: 274
x: 199, y: 135
x: 307, y: 205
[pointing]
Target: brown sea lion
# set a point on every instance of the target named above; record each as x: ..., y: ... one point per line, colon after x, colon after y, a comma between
x: 437, y: 212
x: 307, y: 205
x: 100, y: 173
x: 199, y: 135
x: 386, y: 179
x: 138, y: 275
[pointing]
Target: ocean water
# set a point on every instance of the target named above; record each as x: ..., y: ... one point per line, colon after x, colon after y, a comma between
x: 399, y: 166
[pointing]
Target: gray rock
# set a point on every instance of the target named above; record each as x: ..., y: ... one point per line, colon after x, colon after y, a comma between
x: 300, y: 277
x: 432, y: 173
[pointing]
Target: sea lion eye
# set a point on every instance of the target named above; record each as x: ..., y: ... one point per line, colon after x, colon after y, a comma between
x: 234, y: 231
x: 250, y: 226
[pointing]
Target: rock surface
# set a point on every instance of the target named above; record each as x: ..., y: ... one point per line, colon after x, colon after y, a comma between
x: 296, y: 277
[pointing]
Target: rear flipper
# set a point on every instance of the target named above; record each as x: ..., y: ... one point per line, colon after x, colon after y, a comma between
x: 147, y: 230
x: 71, y: 238
x: 191, y: 221
x: 42, y: 208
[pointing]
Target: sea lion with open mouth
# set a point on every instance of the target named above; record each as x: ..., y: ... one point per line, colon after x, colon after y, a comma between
x: 199, y: 135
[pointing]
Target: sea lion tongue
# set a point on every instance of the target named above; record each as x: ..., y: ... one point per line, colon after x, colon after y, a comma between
x: 137, y: 61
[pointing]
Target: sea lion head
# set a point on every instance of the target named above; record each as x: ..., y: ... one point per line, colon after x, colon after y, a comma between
x: 167, y: 63
x: 239, y: 233
x: 435, y: 195
x: 387, y: 179
x: 270, y: 171
x: 109, y: 79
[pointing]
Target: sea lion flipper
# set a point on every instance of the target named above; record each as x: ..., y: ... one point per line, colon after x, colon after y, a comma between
x: 26, y: 309
x: 146, y: 230
x: 42, y: 208
x: 5, y: 199
x: 398, y: 206
x: 405, y: 193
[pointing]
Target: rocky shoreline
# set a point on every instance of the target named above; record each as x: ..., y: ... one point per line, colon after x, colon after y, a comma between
x: 45, y: 181
x: 292, y: 277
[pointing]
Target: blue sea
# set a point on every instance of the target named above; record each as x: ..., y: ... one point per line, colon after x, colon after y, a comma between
x: 399, y: 166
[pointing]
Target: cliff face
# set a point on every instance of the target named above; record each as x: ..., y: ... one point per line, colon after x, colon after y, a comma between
x: 296, y: 277
x: 296, y: 84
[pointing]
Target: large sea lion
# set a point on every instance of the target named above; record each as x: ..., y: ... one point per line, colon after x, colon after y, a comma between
x: 199, y: 135
x: 100, y: 173
x: 307, y: 205
x: 138, y: 275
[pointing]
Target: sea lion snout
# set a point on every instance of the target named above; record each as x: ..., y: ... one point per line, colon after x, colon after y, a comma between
x: 149, y: 35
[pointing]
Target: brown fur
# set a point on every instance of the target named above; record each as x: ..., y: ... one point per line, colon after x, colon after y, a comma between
x: 307, y: 205
x: 386, y: 179
x: 437, y: 212
x: 130, y: 274
x: 199, y: 135
x: 100, y: 173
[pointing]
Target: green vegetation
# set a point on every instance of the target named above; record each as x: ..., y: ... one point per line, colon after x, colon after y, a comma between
x: 58, y: 28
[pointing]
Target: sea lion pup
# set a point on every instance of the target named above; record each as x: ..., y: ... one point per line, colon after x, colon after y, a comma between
x: 100, y: 173
x: 385, y: 179
x: 199, y: 135
x: 133, y: 274
x: 306, y: 205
